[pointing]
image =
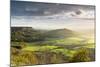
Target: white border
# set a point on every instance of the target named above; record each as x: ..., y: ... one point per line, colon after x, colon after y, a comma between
x: 5, y: 37
x: 82, y: 2
x: 4, y: 33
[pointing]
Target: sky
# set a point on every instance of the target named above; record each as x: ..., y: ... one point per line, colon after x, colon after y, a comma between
x: 52, y: 15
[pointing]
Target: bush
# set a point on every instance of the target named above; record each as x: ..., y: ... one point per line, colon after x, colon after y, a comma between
x: 82, y: 55
x: 23, y: 58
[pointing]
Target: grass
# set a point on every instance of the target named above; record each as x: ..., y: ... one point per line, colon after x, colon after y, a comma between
x: 67, y: 41
x: 55, y: 51
x: 39, y: 48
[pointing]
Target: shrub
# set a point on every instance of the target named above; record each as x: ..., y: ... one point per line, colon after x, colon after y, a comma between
x: 82, y: 55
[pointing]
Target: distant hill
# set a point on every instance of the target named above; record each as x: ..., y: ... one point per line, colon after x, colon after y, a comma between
x: 28, y: 34
x: 60, y: 33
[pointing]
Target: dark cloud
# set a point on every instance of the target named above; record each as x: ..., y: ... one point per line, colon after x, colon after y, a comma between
x: 22, y: 8
x: 78, y: 12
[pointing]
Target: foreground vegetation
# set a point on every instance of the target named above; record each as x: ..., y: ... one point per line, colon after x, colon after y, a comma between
x: 32, y: 47
x: 30, y: 55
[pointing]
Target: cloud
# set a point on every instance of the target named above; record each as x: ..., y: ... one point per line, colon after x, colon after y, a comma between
x: 62, y: 15
x: 34, y: 9
x: 22, y: 8
x: 77, y: 12
x: 65, y: 17
x: 81, y: 14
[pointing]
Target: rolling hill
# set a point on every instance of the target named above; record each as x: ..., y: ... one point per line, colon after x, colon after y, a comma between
x: 60, y: 33
x: 28, y: 34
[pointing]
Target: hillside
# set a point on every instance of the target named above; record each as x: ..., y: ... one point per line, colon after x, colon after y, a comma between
x: 60, y: 33
x: 28, y: 34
